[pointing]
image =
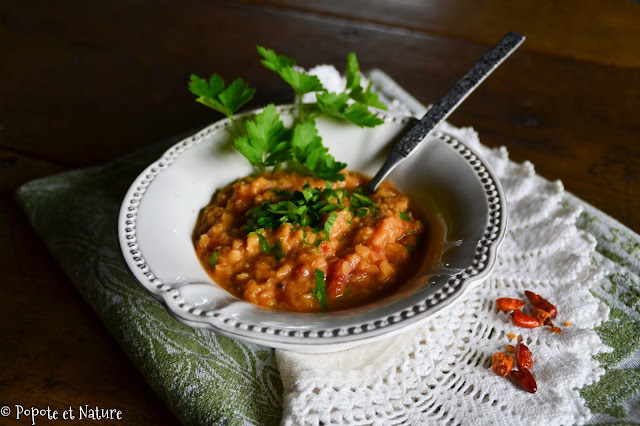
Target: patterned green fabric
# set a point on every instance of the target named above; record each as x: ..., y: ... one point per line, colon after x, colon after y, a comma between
x: 615, y: 399
x: 208, y: 379
x: 204, y: 378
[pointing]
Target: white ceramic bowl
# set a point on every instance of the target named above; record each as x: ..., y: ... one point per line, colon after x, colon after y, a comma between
x: 159, y: 213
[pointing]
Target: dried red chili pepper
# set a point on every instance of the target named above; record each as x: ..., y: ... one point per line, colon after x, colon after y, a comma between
x: 507, y: 304
x: 543, y: 317
x: 523, y: 320
x: 523, y: 357
x: 501, y: 363
x: 541, y: 303
x: 525, y: 380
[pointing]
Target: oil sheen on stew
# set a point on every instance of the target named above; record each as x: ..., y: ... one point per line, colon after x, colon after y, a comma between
x: 350, y: 250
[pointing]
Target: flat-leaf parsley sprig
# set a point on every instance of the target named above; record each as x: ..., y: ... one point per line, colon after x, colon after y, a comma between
x: 225, y: 99
x: 265, y: 141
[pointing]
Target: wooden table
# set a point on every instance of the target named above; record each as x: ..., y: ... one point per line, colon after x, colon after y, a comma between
x: 84, y: 82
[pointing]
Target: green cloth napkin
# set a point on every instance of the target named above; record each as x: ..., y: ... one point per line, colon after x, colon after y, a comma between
x: 615, y: 399
x: 204, y: 378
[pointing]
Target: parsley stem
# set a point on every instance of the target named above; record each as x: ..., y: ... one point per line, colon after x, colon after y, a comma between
x: 300, y: 108
x: 236, y: 127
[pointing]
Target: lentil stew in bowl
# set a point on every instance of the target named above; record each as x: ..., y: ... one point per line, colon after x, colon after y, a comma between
x: 296, y: 243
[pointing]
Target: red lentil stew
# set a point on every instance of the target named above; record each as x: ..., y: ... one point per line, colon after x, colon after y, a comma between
x: 295, y: 243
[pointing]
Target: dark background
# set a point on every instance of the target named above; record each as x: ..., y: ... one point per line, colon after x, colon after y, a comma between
x: 85, y: 82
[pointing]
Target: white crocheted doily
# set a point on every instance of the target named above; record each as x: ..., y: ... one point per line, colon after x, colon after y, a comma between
x: 440, y: 372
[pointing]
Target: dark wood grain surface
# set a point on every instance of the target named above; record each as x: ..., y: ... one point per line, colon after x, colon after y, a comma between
x: 84, y: 82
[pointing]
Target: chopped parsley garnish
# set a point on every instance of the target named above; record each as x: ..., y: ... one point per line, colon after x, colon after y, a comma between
x: 361, y: 204
x: 313, y: 207
x: 404, y: 216
x: 266, y: 248
x: 265, y: 141
x: 278, y: 252
x: 320, y: 292
x: 328, y: 224
x: 263, y: 243
x: 358, y: 199
x: 304, y: 208
x: 213, y: 260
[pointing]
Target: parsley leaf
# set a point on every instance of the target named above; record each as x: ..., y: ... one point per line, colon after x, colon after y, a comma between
x: 311, y: 156
x: 266, y: 248
x: 329, y: 224
x: 336, y: 105
x: 404, y: 216
x: 265, y: 141
x: 367, y: 97
x: 358, y: 199
x: 207, y: 89
x: 263, y: 243
x: 361, y: 204
x: 236, y: 95
x: 353, y: 84
x: 278, y: 252
x: 332, y: 104
x: 273, y: 61
x: 300, y: 82
x: 213, y: 93
x: 359, y: 114
x: 305, y: 143
x: 213, y: 260
x: 320, y: 292
x: 352, y: 72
